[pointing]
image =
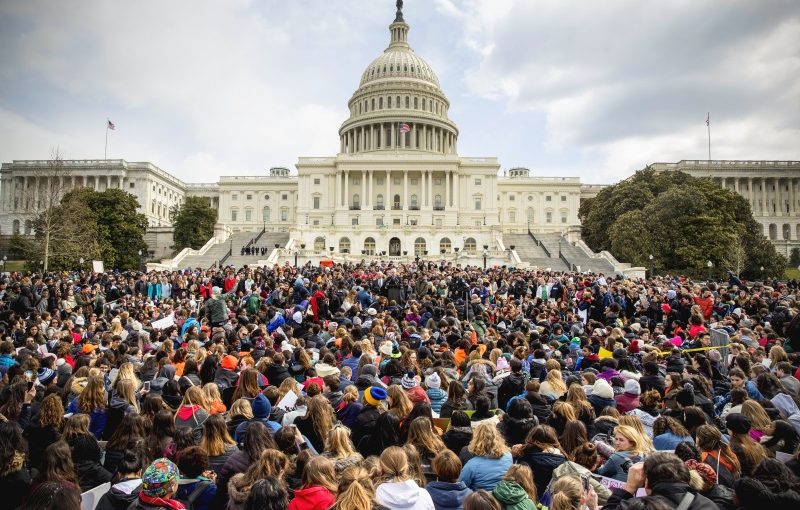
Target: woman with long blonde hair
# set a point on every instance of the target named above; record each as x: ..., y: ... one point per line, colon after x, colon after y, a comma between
x: 553, y: 385
x: 491, y: 460
x: 568, y: 494
x: 214, y: 398
x: 339, y: 448
x: 92, y: 401
x: 399, y: 403
x: 630, y: 445
x: 193, y: 411
x: 288, y: 385
x: 397, y: 490
x: 126, y: 397
x: 356, y: 490
x: 759, y: 419
x: 521, y: 476
x: 319, y: 486
x: 636, y: 423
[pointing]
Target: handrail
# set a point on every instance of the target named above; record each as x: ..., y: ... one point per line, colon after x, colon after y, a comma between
x: 540, y: 244
x: 226, y: 257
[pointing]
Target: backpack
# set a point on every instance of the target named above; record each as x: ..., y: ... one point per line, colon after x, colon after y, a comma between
x: 199, y: 489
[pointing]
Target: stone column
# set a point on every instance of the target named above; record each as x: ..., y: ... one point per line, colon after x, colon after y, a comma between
x: 405, y: 190
x: 764, y: 197
x: 793, y: 196
x: 423, y: 199
x: 723, y: 182
x: 337, y: 190
x: 430, y: 188
x: 414, y: 136
x: 387, y: 204
x: 371, y: 189
x: 736, y: 184
x: 750, y: 193
x: 456, y: 190
x: 393, y: 143
x: 778, y: 197
x: 446, y: 190
x: 364, y: 200
x: 347, y: 189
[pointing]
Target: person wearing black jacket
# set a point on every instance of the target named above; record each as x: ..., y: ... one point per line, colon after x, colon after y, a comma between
x: 652, y: 379
x: 512, y: 385
x: 125, y: 491
x: 661, y: 474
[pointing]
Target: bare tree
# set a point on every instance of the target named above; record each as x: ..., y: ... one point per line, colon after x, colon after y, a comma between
x: 736, y: 257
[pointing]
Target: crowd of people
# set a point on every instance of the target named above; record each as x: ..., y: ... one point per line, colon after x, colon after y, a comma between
x: 423, y: 386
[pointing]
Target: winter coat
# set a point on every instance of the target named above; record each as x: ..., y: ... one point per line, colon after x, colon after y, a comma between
x: 448, y: 406
x: 121, y: 495
x: 315, y: 497
x: 91, y: 474
x: 515, y: 430
x: 511, y: 386
x: 668, y: 441
x: 405, y: 495
x: 15, y: 481
x: 456, y: 438
x: 484, y: 472
x: 97, y: 418
x: 512, y: 496
x: 217, y: 461
x: 39, y: 438
x: 202, y: 501
x: 652, y: 382
x: 613, y: 467
x: 448, y: 496
x: 191, y: 417
x: 236, y: 463
x: 237, y: 495
x: 600, y: 403
x: 348, y: 413
x: 673, y: 491
x: 437, y: 398
x: 364, y: 425
x: 276, y: 374
x: 306, y: 428
x: 646, y: 418
x: 542, y: 464
x: 755, y: 495
x: 626, y: 402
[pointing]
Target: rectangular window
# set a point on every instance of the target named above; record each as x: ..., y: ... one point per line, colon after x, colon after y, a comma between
x: 397, y: 180
x: 396, y: 222
x: 132, y: 185
x: 316, y: 202
x: 285, y: 196
x: 316, y: 181
x: 512, y: 216
x: 379, y: 181
x: 511, y: 198
x: 379, y: 222
x: 549, y: 217
x: 478, y: 223
x: 437, y: 182
x: 548, y: 198
x: 413, y: 222
x: 477, y: 182
x: 354, y: 221
x: 249, y: 197
x: 438, y: 222
x: 563, y: 218
x: 234, y: 215
x: 235, y: 196
x: 477, y: 204
x: 563, y: 198
x: 284, y: 215
x: 315, y: 223
x: 356, y: 182
x: 248, y: 215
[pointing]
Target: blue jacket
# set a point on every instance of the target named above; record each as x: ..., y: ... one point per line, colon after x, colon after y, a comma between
x: 448, y: 496
x: 485, y: 473
x: 437, y: 397
x: 275, y: 323
x: 97, y: 418
x: 186, y: 487
x: 272, y: 426
x: 351, y: 362
x: 668, y: 441
x: 613, y: 466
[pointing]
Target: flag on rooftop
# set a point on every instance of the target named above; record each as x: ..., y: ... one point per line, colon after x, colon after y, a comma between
x: 111, y: 125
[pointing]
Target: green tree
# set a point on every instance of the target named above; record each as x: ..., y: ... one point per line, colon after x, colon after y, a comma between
x: 193, y: 222
x: 120, y: 229
x: 794, y: 257
x: 683, y: 221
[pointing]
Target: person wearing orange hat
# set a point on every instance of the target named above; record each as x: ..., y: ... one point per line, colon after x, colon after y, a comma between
x: 226, y: 375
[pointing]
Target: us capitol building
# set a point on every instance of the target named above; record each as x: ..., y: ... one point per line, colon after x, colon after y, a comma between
x: 397, y: 188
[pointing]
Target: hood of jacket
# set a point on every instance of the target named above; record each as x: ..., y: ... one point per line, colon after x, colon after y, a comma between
x: 645, y: 417
x: 509, y: 493
x: 186, y: 412
x: 118, y: 402
x: 448, y: 495
x: 398, y: 494
x: 124, y: 493
x: 313, y: 497
x: 754, y: 494
x: 236, y: 489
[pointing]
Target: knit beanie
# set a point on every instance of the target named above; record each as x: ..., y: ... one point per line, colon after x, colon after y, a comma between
x: 602, y: 389
x: 369, y: 369
x: 702, y: 474
x: 738, y: 423
x: 502, y: 364
x: 374, y: 395
x: 632, y: 387
x: 433, y: 381
x: 159, y: 478
x: 229, y: 362
x: 409, y: 380
x: 261, y: 406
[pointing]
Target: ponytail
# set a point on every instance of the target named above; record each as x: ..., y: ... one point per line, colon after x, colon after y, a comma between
x: 355, y: 491
x: 562, y: 501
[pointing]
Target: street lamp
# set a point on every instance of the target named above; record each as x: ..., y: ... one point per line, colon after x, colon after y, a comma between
x: 5, y: 258
x: 762, y: 272
x: 709, y: 264
x: 81, y: 263
x: 652, y: 274
x: 485, y: 253
x: 295, y: 257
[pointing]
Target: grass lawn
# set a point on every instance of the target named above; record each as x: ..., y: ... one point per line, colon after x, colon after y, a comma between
x: 15, y: 265
x: 792, y: 272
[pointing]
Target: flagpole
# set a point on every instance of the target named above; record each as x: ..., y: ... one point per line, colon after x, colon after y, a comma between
x: 105, y: 151
x: 708, y: 123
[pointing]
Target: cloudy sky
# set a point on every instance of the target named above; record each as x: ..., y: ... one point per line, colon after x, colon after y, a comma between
x: 585, y: 88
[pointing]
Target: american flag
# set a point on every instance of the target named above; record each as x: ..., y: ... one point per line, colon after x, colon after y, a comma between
x: 708, y: 120
x: 111, y: 125
x: 404, y: 128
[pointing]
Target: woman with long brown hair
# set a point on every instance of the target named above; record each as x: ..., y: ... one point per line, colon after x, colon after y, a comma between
x: 576, y: 397
x: 398, y: 402
x: 574, y: 435
x: 543, y: 453
x: 217, y: 442
x: 271, y: 464
x: 318, y: 421
x: 248, y: 385
x: 749, y: 453
x: 427, y: 443
x: 318, y: 491
x: 48, y: 429
x: 57, y: 466
x: 92, y: 401
x: 717, y: 454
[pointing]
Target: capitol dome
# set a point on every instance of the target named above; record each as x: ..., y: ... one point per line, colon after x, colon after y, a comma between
x: 399, y: 104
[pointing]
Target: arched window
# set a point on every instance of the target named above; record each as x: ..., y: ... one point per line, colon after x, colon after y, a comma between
x: 396, y: 202
x: 344, y: 245
x: 319, y: 245
x: 389, y: 102
x: 413, y: 200
x: 470, y: 246
x: 773, y: 232
x: 419, y: 247
x: 398, y: 101
x: 379, y: 201
x: 373, y: 103
x: 28, y: 227
x: 380, y: 103
x: 356, y: 201
x: 15, y: 227
x: 445, y: 245
x: 407, y: 101
x: 369, y: 246
x: 787, y: 231
x: 416, y: 103
x: 265, y: 213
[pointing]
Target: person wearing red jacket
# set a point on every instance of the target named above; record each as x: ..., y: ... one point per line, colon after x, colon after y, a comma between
x: 413, y: 389
x: 319, y: 485
x: 705, y: 302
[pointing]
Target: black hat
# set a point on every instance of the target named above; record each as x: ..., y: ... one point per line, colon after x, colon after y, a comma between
x: 738, y: 423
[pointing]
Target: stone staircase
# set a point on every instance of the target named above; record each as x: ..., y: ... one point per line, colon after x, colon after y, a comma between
x: 218, y: 251
x: 552, y: 250
x: 267, y: 240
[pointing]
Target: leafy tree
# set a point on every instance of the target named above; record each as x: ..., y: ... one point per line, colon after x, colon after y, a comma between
x: 794, y: 257
x: 120, y: 229
x: 683, y: 221
x: 194, y: 223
